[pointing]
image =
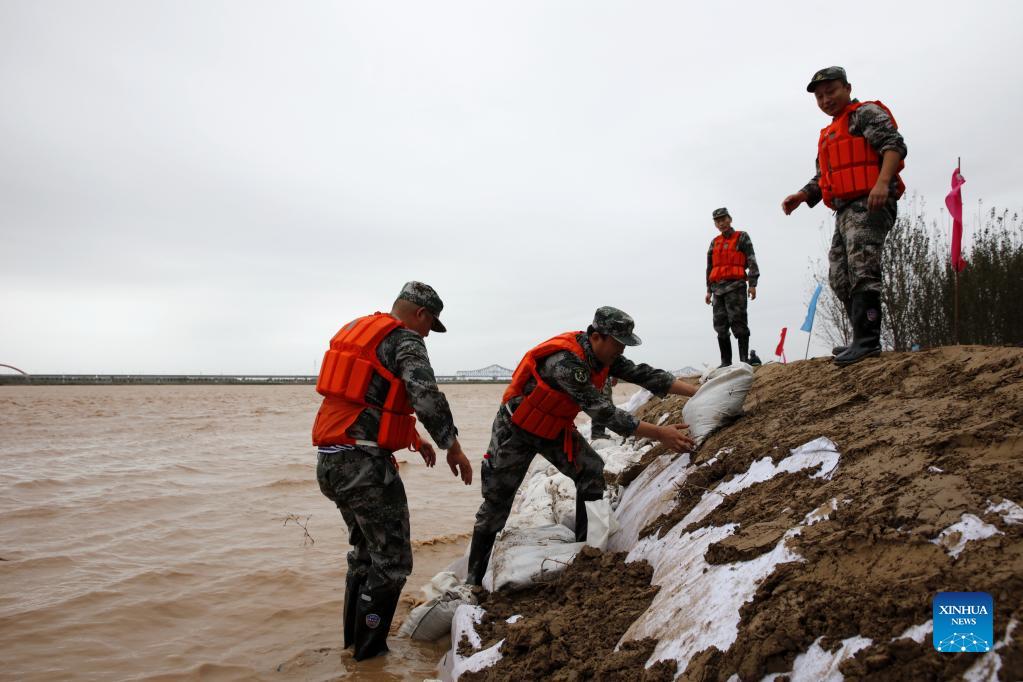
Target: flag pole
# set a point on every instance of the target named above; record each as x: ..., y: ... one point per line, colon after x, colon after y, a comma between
x: 955, y: 270
x: 811, y: 317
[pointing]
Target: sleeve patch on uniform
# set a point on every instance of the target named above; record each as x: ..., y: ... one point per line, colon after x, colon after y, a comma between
x: 581, y: 375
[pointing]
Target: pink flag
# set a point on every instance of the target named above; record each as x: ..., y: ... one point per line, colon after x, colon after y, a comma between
x: 780, y: 350
x: 954, y: 202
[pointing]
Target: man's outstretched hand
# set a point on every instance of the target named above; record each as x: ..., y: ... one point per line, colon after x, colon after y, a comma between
x: 792, y: 202
x: 459, y: 463
x: 673, y: 436
x: 676, y: 437
x: 428, y: 454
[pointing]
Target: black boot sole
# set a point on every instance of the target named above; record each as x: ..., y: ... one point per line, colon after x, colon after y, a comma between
x: 853, y: 361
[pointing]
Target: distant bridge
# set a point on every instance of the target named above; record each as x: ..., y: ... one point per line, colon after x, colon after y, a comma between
x: 150, y: 379
x: 236, y: 379
x: 494, y: 372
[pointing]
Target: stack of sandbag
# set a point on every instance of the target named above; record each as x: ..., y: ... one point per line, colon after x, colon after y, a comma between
x: 432, y: 620
x: 523, y: 556
x: 545, y: 497
x: 719, y: 398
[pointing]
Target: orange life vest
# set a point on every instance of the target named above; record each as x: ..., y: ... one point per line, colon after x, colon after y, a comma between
x: 548, y: 412
x: 348, y: 366
x: 727, y: 261
x: 849, y: 165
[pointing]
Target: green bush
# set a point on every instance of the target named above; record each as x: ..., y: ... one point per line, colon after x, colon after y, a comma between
x: 919, y: 285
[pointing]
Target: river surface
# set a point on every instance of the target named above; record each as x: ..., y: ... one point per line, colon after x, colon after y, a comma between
x: 156, y: 533
x: 143, y: 534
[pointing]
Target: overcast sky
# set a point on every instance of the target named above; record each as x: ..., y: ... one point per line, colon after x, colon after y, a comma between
x: 217, y: 186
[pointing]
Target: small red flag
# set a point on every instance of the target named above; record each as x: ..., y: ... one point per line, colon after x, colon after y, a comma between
x: 954, y: 202
x: 780, y: 350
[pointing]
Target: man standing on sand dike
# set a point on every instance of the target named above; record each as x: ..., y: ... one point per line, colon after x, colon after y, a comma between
x: 859, y: 157
x: 375, y: 374
x: 552, y: 384
x: 729, y: 258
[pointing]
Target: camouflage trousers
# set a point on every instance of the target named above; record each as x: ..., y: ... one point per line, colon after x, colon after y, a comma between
x: 511, y: 452
x: 371, y: 497
x: 854, y: 260
x: 730, y: 311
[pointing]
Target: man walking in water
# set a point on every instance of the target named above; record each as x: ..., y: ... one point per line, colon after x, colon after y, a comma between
x: 375, y: 375
x: 552, y: 384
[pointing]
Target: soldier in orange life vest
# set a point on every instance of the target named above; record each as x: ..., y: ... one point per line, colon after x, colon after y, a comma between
x: 553, y: 383
x: 729, y: 257
x: 375, y: 375
x: 859, y: 157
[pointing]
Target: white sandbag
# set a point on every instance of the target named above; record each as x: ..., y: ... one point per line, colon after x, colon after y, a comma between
x: 618, y: 455
x: 601, y: 523
x: 440, y: 584
x: 453, y: 665
x: 652, y: 493
x: 460, y: 566
x: 523, y: 556
x: 720, y: 397
x: 546, y: 496
x: 430, y: 621
x: 636, y: 401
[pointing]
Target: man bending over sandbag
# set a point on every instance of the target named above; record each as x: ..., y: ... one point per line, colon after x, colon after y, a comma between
x: 552, y: 384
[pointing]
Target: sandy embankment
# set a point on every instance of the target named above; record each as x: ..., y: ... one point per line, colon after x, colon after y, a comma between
x: 851, y: 551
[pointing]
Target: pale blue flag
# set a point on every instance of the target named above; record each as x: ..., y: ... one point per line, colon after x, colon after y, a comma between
x: 812, y: 310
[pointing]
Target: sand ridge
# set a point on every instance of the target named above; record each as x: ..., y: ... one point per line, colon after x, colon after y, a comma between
x: 924, y: 439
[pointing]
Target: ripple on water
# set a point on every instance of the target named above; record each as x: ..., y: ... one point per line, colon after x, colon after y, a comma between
x: 149, y: 541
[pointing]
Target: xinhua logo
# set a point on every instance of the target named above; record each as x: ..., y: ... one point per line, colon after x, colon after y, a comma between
x: 963, y: 622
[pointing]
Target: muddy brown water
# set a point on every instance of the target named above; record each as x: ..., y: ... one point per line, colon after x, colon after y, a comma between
x: 142, y: 534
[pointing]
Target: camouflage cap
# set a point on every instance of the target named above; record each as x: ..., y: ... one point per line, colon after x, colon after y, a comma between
x: 721, y: 213
x: 828, y: 73
x: 608, y: 320
x: 424, y: 295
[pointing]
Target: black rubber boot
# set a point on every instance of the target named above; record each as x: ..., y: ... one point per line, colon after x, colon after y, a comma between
x: 352, y: 586
x: 479, y: 556
x: 374, y: 614
x: 582, y: 522
x: 743, y: 348
x: 725, y: 345
x: 866, y: 318
x: 838, y: 350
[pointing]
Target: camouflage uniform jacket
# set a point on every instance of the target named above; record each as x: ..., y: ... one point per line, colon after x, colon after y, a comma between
x: 745, y: 246
x: 403, y: 353
x: 566, y: 371
x: 873, y: 123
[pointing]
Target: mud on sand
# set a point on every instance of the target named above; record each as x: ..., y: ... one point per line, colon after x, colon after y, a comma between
x: 924, y: 438
x: 569, y: 627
